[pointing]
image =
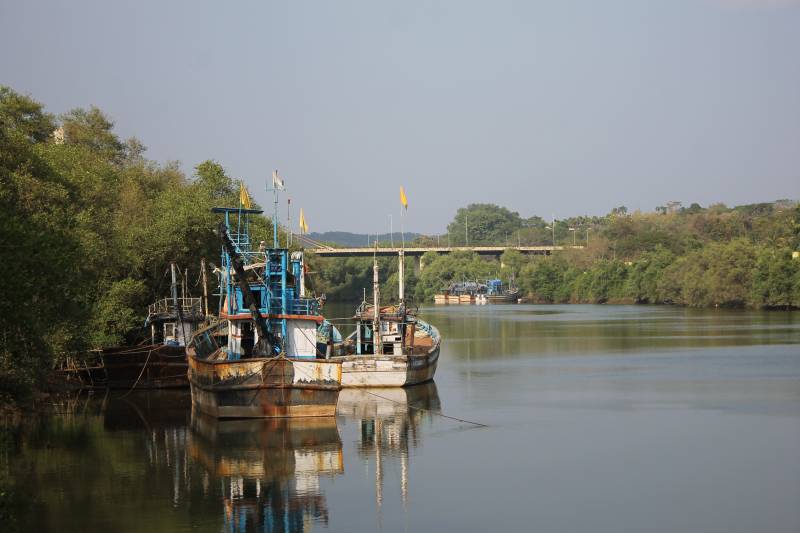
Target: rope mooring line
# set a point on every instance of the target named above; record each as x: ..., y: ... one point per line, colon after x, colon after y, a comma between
x: 144, y: 367
x: 478, y: 424
x: 410, y: 406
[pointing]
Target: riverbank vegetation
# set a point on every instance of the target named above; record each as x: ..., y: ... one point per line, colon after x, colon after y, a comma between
x: 89, y: 226
x: 695, y: 256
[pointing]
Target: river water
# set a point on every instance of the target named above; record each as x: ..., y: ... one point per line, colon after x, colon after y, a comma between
x: 599, y: 418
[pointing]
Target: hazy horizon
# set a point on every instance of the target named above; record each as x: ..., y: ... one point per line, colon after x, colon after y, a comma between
x: 546, y: 108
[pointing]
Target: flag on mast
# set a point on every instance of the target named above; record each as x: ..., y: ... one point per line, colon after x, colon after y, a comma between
x: 244, y: 196
x: 277, y: 181
x: 303, y: 225
x: 403, y: 199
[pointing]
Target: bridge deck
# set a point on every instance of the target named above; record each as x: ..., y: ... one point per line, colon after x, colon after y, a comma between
x: 418, y: 251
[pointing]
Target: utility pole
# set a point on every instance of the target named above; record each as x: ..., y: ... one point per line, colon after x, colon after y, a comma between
x: 391, y: 230
x: 554, y: 231
x: 466, y: 228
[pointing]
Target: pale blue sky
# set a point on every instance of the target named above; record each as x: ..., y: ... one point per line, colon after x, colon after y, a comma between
x: 561, y: 107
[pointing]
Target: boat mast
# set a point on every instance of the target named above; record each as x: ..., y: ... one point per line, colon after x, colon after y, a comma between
x: 205, y: 286
x: 174, y: 286
x: 277, y: 186
x: 275, y: 212
x: 174, y: 290
x: 401, y: 276
x: 376, y: 309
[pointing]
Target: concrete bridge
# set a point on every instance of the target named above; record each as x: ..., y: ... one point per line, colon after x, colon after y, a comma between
x: 418, y: 251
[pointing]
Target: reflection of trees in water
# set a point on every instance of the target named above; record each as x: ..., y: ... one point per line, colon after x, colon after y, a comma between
x: 389, y: 426
x: 514, y: 331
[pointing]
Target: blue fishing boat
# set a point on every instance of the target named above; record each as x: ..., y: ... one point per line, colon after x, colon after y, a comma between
x: 260, y: 360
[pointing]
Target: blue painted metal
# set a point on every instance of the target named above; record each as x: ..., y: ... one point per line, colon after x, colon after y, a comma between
x: 274, y: 293
x: 495, y: 286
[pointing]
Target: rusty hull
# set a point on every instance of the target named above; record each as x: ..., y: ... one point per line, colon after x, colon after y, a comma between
x: 262, y: 388
x: 156, y: 366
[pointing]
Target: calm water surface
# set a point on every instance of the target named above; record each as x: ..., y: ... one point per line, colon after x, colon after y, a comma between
x: 600, y: 418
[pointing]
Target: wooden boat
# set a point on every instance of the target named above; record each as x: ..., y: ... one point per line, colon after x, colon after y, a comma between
x: 407, y: 350
x: 440, y: 299
x: 158, y: 362
x: 260, y: 359
x: 161, y: 363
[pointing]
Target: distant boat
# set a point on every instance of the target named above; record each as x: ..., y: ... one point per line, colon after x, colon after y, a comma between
x: 260, y: 359
x: 476, y: 292
x: 391, y: 346
x: 498, y: 293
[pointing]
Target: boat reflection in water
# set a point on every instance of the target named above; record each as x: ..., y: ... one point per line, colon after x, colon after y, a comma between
x: 268, y: 470
x: 390, y: 421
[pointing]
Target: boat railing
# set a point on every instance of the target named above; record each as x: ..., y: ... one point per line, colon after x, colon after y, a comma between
x: 241, y: 240
x: 166, y: 306
x: 427, y: 328
x: 297, y: 306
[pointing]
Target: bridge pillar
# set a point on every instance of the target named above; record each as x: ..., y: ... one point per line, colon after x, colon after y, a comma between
x: 419, y: 264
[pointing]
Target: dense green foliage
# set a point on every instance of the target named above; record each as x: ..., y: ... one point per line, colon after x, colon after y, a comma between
x: 88, y: 228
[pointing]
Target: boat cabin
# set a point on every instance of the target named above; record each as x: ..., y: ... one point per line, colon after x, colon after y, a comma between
x: 263, y: 293
x: 174, y: 321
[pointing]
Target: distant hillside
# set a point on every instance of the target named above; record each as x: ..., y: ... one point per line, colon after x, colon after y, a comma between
x: 345, y: 238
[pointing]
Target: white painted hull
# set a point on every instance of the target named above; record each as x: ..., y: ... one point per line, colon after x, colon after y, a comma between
x: 388, y: 370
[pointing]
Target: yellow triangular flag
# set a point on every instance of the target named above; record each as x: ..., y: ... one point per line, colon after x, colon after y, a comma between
x: 403, y: 199
x: 303, y: 225
x: 244, y: 197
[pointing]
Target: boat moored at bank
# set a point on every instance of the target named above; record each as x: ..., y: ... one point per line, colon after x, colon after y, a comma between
x: 390, y: 347
x: 260, y: 360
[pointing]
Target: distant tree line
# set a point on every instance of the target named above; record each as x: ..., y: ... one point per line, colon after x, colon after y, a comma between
x: 695, y: 256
